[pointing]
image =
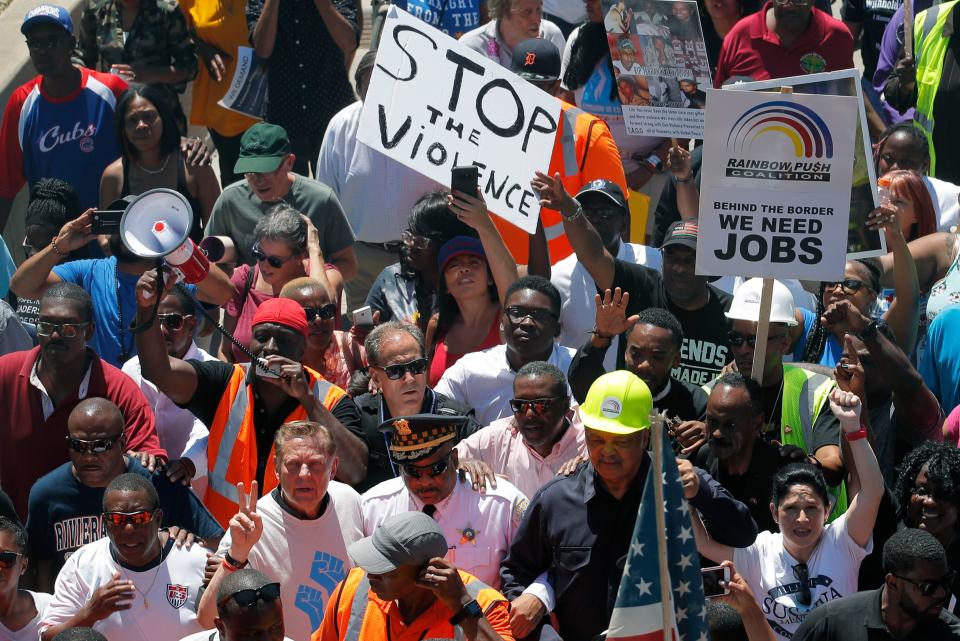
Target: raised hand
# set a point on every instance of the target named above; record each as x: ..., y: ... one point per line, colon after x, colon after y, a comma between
x: 553, y: 195
x: 849, y: 372
x: 147, y: 287
x: 611, y: 316
x: 246, y: 526
x: 846, y: 407
x: 471, y: 209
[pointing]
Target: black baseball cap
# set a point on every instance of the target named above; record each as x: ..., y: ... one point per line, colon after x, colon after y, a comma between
x: 536, y: 59
x: 607, y: 188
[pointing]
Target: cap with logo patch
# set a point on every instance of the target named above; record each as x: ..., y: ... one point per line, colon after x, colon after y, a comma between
x: 49, y: 14
x: 607, y: 188
x: 536, y: 59
x: 618, y: 403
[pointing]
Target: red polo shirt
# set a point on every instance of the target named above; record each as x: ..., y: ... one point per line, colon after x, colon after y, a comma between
x: 750, y: 49
x: 31, y: 446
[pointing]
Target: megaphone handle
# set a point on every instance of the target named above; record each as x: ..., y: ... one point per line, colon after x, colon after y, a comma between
x: 137, y: 329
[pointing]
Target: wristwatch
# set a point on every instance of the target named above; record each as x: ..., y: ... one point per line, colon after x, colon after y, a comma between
x: 471, y: 610
x: 870, y: 330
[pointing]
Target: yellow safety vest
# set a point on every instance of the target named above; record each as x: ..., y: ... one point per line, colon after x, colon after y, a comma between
x: 929, y: 50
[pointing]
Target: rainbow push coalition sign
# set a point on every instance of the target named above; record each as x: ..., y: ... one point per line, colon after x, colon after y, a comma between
x: 775, y: 190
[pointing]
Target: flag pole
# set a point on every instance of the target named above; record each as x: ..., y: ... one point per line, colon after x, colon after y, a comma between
x: 666, y: 592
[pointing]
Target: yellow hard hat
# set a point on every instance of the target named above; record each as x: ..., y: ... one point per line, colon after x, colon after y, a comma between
x: 618, y: 403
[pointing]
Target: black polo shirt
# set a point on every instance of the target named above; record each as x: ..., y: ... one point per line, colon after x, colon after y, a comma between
x: 858, y: 618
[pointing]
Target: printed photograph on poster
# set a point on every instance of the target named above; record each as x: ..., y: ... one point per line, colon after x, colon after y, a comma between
x: 861, y: 242
x: 434, y: 104
x: 775, y: 185
x: 660, y: 64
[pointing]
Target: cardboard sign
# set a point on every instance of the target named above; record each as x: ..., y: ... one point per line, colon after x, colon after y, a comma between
x: 433, y: 104
x: 775, y: 186
x: 660, y: 62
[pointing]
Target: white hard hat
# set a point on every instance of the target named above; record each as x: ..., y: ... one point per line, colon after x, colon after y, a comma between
x: 746, y: 303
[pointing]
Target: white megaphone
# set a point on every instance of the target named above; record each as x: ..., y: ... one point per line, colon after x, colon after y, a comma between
x: 156, y: 224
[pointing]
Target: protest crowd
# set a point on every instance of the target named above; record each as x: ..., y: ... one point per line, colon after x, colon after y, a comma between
x: 357, y: 366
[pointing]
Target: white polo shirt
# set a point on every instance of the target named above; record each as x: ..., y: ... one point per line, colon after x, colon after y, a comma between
x: 479, y: 527
x: 164, y: 599
x: 578, y: 311
x: 484, y: 380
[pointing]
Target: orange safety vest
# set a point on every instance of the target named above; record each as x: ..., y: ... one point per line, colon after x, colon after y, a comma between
x: 583, y: 150
x: 232, y: 444
x: 352, y: 615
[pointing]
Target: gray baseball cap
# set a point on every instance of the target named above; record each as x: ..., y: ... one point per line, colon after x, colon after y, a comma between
x: 411, y: 538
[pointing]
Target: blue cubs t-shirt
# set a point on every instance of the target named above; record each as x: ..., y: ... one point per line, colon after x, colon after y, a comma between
x: 65, y: 514
x: 453, y: 17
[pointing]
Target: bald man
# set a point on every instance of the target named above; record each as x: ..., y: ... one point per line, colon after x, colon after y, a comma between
x: 65, y: 505
x: 248, y: 607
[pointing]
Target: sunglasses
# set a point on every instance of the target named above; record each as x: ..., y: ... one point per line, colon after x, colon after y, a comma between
x: 274, y: 261
x: 96, y: 446
x: 65, y: 330
x: 8, y: 558
x: 538, y: 405
x: 436, y: 469
x: 326, y: 312
x: 849, y: 285
x: 537, y: 315
x: 415, y: 240
x: 802, y: 574
x: 173, y: 321
x: 135, y: 518
x: 736, y: 339
x: 929, y: 588
x: 246, y: 598
x: 396, y: 372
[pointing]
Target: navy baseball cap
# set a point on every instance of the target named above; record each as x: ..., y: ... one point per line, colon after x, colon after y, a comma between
x: 536, y: 59
x: 49, y: 13
x: 607, y: 188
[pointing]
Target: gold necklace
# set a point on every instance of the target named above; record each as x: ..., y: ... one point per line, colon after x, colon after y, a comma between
x: 146, y: 603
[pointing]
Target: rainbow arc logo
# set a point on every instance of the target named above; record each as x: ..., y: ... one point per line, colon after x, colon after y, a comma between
x: 807, y: 132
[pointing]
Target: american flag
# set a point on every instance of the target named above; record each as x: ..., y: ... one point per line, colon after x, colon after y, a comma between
x: 637, y: 614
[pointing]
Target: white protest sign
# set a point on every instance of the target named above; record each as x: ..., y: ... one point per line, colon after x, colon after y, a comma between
x: 775, y: 185
x: 434, y: 104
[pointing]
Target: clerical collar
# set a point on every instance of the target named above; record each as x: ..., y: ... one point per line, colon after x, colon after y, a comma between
x: 286, y: 507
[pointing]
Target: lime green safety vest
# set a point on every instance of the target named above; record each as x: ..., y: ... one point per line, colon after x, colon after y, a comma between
x: 805, y: 395
x: 930, y: 47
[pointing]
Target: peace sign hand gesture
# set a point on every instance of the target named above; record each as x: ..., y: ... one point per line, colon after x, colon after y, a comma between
x: 246, y: 526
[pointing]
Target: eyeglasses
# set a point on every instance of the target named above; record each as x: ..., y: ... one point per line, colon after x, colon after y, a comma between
x: 929, y: 588
x: 802, y: 574
x: 173, y: 321
x: 246, y: 598
x: 850, y: 285
x: 65, y: 330
x: 436, y: 469
x: 122, y: 518
x: 49, y: 42
x: 538, y: 315
x: 96, y: 446
x: 415, y: 240
x: 396, y: 372
x: 736, y: 339
x: 538, y: 405
x: 274, y: 261
x: 325, y: 312
x: 8, y: 558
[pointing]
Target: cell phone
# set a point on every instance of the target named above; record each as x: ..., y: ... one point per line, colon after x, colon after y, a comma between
x: 363, y: 316
x: 715, y: 581
x: 106, y: 221
x: 465, y: 178
x: 264, y: 371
